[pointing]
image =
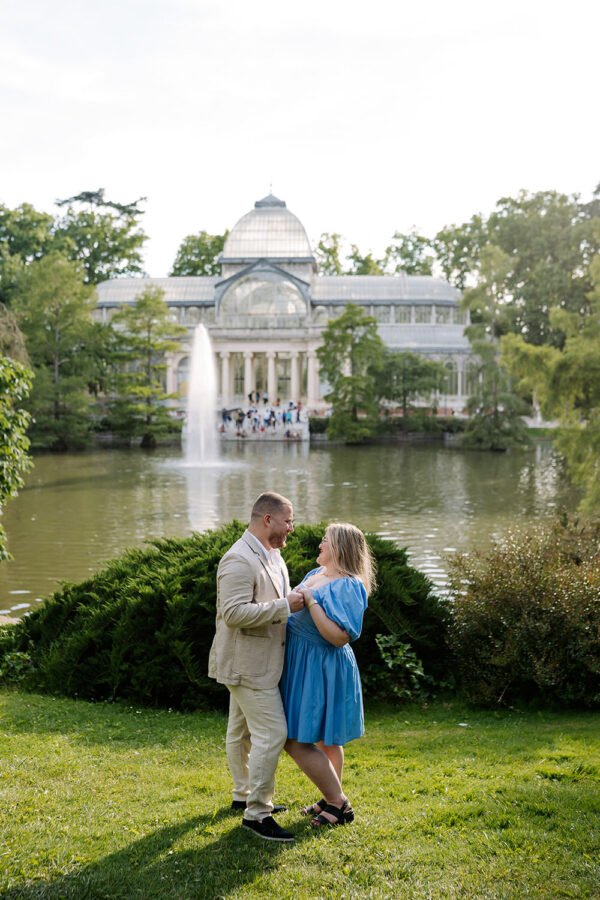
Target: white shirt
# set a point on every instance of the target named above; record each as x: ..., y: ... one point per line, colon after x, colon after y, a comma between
x: 272, y: 558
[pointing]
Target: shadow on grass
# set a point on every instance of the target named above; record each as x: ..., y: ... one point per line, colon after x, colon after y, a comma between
x: 153, y: 868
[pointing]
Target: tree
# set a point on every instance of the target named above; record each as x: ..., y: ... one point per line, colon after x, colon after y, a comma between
x: 146, y: 333
x: 364, y: 264
x: 25, y: 235
x: 409, y: 253
x: 15, y: 382
x: 328, y: 254
x: 402, y: 377
x: 104, y: 236
x: 458, y: 248
x: 551, y: 239
x: 494, y: 408
x: 350, y: 353
x: 566, y: 383
x: 54, y: 310
x: 12, y: 339
x: 199, y: 254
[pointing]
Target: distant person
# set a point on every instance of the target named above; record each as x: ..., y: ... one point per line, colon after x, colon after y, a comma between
x: 320, y: 685
x: 254, y: 602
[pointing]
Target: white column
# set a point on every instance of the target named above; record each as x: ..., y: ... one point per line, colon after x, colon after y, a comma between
x: 225, y: 387
x: 271, y: 379
x: 248, y: 381
x: 294, y: 379
x: 313, y: 378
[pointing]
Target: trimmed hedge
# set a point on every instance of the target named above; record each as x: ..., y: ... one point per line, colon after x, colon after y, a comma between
x: 526, y: 617
x: 141, y: 629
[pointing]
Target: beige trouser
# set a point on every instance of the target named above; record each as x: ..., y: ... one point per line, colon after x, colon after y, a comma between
x: 256, y: 733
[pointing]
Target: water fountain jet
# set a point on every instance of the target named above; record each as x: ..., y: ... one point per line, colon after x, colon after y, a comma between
x: 201, y: 433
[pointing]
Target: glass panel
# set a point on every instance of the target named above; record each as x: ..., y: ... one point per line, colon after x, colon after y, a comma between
x: 182, y: 375
x: 237, y: 364
x: 460, y: 317
x: 450, y: 381
x: 382, y: 313
x: 284, y: 378
x: 261, y: 296
x: 422, y: 314
x: 402, y: 313
x: 442, y: 314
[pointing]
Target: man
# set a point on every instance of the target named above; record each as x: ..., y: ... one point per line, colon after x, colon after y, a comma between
x: 253, y: 605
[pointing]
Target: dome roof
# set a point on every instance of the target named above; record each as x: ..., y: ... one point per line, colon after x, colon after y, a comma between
x: 269, y: 231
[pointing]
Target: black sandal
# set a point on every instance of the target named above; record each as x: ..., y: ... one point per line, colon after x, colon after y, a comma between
x: 315, y: 809
x: 342, y: 815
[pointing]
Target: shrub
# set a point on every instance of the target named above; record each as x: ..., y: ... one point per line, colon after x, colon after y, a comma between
x: 526, y: 616
x: 318, y: 425
x: 141, y: 629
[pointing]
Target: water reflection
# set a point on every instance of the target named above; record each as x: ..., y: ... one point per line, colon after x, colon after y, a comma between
x: 78, y: 511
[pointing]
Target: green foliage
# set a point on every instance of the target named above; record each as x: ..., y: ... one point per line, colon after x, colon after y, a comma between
x: 328, y: 254
x: 145, y: 333
x: 401, y: 677
x: 198, y: 254
x: 409, y: 253
x: 142, y: 628
x: 15, y: 383
x: 25, y: 235
x: 103, y: 236
x: 458, y: 248
x: 318, y: 425
x: 566, y: 382
x: 12, y: 339
x: 54, y: 310
x: 526, y: 618
x: 402, y: 377
x: 348, y: 357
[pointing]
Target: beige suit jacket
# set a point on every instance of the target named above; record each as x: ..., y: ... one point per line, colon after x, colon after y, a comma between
x: 252, y: 614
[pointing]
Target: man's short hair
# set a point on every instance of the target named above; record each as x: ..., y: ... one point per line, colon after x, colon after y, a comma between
x: 270, y: 503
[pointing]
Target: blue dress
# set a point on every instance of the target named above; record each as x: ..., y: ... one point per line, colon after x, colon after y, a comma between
x: 320, y: 684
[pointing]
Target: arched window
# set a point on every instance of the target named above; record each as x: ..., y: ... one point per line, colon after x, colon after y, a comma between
x: 450, y: 379
x: 182, y: 376
x: 263, y: 300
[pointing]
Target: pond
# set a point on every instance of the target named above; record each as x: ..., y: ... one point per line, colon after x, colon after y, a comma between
x: 78, y: 510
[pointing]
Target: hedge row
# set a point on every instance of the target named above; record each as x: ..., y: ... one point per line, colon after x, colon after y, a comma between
x: 141, y: 629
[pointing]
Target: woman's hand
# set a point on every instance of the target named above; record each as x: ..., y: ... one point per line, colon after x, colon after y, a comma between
x: 306, y: 593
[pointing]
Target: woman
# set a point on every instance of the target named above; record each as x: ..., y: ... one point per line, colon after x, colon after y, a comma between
x: 320, y: 685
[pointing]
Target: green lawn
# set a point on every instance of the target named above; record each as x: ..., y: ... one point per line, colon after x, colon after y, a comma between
x: 119, y: 802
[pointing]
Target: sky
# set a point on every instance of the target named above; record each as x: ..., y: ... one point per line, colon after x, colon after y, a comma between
x: 365, y: 117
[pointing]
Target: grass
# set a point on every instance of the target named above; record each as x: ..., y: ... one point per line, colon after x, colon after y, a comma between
x: 118, y: 802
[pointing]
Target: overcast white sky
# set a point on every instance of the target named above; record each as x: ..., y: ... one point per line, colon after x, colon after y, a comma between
x: 365, y: 117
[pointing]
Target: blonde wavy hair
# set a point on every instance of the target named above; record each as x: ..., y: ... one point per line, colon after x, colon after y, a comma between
x: 350, y: 553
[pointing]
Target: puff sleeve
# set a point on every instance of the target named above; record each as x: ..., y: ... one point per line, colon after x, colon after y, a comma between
x: 344, y: 601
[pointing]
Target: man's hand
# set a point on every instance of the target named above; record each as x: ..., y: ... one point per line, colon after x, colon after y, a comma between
x: 295, y: 601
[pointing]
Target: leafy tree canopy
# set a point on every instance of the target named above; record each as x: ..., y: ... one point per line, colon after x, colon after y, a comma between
x: 348, y: 357
x: 402, y: 377
x: 198, y: 254
x: 15, y: 383
x: 145, y: 333
x: 54, y: 311
x: 103, y: 235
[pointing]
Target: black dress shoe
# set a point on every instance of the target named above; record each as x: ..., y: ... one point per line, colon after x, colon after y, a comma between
x: 268, y: 830
x: 241, y: 804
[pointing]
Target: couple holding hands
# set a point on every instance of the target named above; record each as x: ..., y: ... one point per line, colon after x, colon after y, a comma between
x: 285, y: 658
